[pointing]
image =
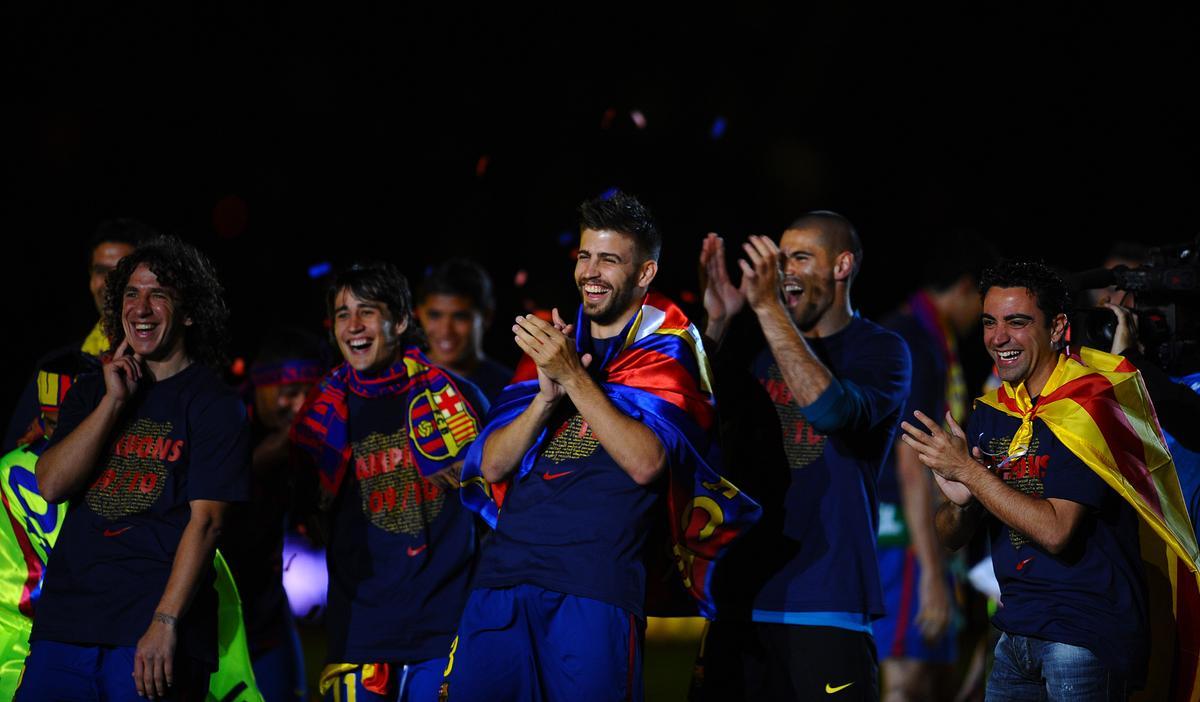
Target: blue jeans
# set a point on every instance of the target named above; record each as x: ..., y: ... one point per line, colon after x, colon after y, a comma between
x: 1029, y: 670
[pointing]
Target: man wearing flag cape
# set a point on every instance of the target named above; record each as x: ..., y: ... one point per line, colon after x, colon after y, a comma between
x: 1059, y: 463
x: 586, y: 438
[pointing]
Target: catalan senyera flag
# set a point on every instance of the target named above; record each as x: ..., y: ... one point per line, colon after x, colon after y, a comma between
x: 1096, y: 404
x: 660, y: 376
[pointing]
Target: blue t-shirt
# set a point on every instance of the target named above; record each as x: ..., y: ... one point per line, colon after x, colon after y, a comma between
x: 1094, y: 593
x: 576, y: 523
x: 928, y: 395
x: 400, y: 549
x: 813, y: 552
x: 184, y: 438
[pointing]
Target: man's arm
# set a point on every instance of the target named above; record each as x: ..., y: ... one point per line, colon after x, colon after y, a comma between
x: 507, y: 445
x: 916, y: 498
x: 1048, y: 522
x: 632, y: 445
x: 64, y: 468
x: 153, y: 659
x: 956, y: 524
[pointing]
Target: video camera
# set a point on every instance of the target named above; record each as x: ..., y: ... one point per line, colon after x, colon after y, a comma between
x: 1167, y: 295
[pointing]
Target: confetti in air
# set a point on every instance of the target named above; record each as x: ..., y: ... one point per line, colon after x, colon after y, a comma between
x: 638, y: 118
x: 319, y: 270
x: 718, y: 128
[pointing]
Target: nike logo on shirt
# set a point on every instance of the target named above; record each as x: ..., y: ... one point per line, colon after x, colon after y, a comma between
x: 1022, y: 564
x: 556, y: 476
x: 117, y: 532
x: 414, y: 551
x: 830, y: 689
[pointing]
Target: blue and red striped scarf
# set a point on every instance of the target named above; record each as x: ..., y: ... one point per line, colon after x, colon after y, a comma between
x: 441, y: 423
x: 660, y: 376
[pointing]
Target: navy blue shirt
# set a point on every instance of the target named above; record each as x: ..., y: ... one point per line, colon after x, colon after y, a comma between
x: 928, y: 394
x: 400, y: 549
x: 184, y: 438
x: 576, y: 523
x: 491, y: 378
x: 814, y: 549
x: 1093, y: 594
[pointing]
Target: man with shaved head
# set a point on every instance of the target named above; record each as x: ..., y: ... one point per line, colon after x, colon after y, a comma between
x: 807, y: 440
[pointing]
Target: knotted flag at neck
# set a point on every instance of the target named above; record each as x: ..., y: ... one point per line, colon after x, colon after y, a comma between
x: 96, y: 342
x: 657, y: 373
x: 1096, y: 404
x: 441, y: 422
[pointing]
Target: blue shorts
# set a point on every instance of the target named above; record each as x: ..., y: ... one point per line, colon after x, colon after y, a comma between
x: 383, y: 682
x: 530, y: 644
x: 897, y: 635
x: 70, y: 673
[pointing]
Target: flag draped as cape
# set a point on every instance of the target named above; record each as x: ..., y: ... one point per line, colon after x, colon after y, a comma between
x: 660, y: 376
x: 1097, y: 405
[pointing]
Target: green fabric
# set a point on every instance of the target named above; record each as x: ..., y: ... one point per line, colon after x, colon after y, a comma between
x: 28, y: 532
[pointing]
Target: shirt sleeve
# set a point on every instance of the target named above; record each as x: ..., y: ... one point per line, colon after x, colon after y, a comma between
x: 82, y: 398
x: 219, y: 458
x: 872, y: 388
x: 1068, y: 478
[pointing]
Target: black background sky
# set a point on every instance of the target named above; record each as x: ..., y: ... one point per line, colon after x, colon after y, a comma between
x: 279, y: 138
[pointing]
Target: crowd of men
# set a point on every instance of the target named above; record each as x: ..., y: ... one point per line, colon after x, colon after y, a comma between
x: 790, y: 470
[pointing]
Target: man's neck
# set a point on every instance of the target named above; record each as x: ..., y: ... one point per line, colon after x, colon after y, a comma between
x: 835, y: 319
x: 466, y: 365
x: 172, y: 364
x: 1036, y: 382
x: 611, y: 329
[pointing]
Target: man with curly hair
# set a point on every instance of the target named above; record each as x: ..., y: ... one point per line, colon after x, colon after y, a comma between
x: 1073, y: 615
x: 150, y: 452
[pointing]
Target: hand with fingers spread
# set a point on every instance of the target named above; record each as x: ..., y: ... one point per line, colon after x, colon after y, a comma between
x: 551, y: 349
x: 721, y: 299
x: 154, y: 657
x: 760, y: 273
x: 122, y: 374
x: 943, y: 451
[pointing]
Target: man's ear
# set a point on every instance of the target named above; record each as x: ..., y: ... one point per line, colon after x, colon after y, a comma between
x: 843, y: 266
x: 646, y: 275
x: 1058, y: 329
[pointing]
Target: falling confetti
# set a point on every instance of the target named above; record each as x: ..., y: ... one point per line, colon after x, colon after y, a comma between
x: 319, y: 270
x: 687, y: 296
x: 521, y: 278
x: 608, y: 194
x: 238, y: 367
x: 609, y: 115
x: 566, y: 238
x: 481, y: 166
x: 718, y: 128
x: 638, y: 118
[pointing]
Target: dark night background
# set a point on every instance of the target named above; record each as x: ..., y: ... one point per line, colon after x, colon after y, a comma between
x: 279, y: 138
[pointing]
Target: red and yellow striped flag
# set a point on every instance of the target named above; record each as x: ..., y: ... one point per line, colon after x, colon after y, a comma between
x: 1096, y: 404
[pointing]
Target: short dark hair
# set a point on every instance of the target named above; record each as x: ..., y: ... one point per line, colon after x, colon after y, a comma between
x: 837, y: 231
x: 1053, y: 296
x: 622, y: 212
x: 181, y: 266
x: 379, y: 281
x: 462, y: 278
x: 122, y: 230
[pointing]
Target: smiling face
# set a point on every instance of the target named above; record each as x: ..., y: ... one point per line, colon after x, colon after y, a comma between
x: 611, y: 277
x: 1021, y: 342
x: 366, y: 332
x: 811, y: 272
x: 151, y: 317
x: 454, y: 327
x: 104, y: 258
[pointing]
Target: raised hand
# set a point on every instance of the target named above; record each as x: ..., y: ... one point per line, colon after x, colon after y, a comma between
x: 122, y: 374
x: 721, y: 299
x: 943, y: 450
x: 760, y: 272
x: 552, y: 350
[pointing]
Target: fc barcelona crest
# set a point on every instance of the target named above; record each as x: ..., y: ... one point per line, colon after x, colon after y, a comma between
x: 439, y: 423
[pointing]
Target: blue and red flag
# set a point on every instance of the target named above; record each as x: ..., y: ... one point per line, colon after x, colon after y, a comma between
x: 440, y: 422
x: 660, y: 376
